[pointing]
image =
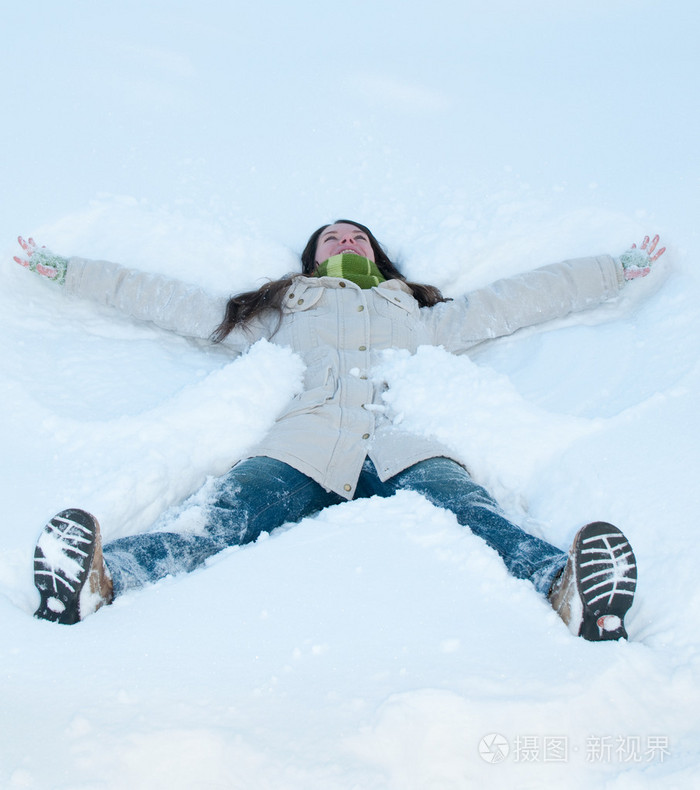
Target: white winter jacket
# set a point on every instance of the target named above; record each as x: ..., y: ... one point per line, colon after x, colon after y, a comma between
x: 329, y: 429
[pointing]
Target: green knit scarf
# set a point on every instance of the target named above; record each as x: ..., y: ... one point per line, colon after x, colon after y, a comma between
x: 355, y: 268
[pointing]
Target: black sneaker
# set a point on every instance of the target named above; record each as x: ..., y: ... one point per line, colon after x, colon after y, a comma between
x: 68, y: 555
x: 596, y: 588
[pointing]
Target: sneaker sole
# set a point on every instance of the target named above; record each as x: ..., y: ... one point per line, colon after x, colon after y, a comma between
x: 62, y: 560
x: 606, y: 579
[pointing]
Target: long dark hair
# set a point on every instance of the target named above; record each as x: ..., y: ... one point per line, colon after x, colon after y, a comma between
x: 244, y: 307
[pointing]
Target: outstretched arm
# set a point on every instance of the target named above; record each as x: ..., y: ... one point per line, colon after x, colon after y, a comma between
x: 168, y: 303
x: 541, y: 295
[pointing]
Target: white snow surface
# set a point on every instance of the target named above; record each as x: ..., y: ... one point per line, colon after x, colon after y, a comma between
x: 373, y: 646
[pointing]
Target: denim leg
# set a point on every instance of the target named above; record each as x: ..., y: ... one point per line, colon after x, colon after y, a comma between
x: 447, y: 484
x: 257, y: 495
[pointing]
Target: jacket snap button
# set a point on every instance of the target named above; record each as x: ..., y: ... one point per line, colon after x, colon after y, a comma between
x: 362, y: 348
x: 341, y: 284
x: 347, y: 487
x: 300, y: 301
x: 291, y: 296
x: 365, y: 436
x: 360, y: 308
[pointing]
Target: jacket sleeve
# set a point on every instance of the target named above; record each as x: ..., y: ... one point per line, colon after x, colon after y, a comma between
x: 168, y: 303
x: 513, y: 303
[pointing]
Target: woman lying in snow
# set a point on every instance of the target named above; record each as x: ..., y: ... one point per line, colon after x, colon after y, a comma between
x: 334, y: 442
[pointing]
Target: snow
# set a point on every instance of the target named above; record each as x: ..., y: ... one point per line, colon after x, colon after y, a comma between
x: 376, y: 645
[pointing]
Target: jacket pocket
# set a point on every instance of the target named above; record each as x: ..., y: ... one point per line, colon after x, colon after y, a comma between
x: 395, y: 320
x: 320, y: 383
x: 301, y: 297
x: 312, y: 399
x: 395, y: 304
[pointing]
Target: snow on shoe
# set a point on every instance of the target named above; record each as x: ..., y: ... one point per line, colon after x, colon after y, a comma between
x: 597, y: 586
x: 63, y: 564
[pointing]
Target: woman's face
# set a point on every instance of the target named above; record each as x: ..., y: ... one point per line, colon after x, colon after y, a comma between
x: 343, y: 237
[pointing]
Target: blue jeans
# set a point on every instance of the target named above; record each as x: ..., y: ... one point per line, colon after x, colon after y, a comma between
x: 260, y: 494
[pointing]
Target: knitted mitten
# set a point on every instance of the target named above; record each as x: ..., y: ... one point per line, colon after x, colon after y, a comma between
x: 636, y: 263
x: 48, y: 264
x: 42, y: 261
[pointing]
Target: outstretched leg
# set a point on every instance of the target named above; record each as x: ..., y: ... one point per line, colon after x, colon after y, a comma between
x: 592, y: 589
x: 447, y: 484
x: 257, y: 495
x: 72, y: 570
